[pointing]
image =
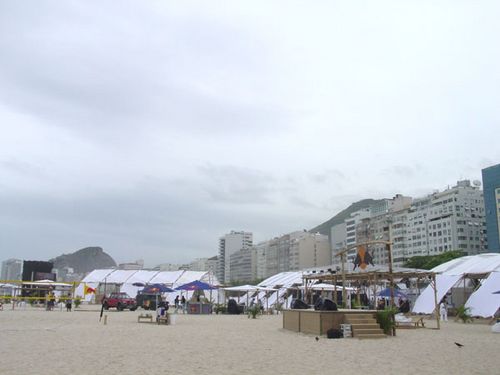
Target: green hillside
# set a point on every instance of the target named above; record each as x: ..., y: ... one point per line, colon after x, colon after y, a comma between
x: 342, y: 215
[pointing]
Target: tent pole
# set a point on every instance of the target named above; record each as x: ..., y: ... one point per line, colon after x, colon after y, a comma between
x: 335, y: 291
x: 344, y: 299
x: 436, y: 311
x: 465, y: 298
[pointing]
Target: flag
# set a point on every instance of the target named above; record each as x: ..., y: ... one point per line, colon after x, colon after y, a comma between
x: 363, y: 258
x: 88, y: 290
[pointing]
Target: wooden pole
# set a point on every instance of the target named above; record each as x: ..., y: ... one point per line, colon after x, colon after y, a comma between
x: 344, y: 299
x: 335, y: 291
x: 391, y: 279
x: 436, y: 308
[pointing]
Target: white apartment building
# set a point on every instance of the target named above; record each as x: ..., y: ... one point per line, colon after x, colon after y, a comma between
x: 308, y: 251
x: 12, y: 269
x: 243, y: 266
x: 344, y: 234
x: 204, y: 264
x: 291, y: 252
x: 229, y: 244
x: 453, y: 219
x: 260, y: 259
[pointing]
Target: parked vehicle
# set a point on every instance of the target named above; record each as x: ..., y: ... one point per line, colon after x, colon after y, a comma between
x: 147, y: 300
x: 120, y: 301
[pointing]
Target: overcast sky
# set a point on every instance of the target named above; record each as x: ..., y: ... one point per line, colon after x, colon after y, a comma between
x: 151, y: 128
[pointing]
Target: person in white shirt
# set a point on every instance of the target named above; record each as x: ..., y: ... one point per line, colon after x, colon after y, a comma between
x: 443, y: 310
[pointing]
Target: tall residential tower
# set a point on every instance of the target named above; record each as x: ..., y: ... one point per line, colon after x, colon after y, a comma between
x: 491, y: 189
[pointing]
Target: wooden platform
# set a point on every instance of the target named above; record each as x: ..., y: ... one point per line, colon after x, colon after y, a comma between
x: 318, y: 322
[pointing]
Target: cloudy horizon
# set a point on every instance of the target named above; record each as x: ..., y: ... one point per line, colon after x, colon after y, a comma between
x: 153, y: 128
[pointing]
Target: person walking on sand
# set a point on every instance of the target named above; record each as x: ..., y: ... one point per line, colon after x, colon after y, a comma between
x: 68, y: 304
x: 443, y: 310
x: 176, y: 303
x: 183, y: 303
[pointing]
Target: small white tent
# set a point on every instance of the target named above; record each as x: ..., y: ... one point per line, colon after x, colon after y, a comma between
x: 485, y: 267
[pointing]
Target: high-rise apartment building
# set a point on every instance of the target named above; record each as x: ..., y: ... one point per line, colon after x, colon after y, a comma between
x: 291, y: 252
x: 12, y: 269
x: 243, y: 265
x: 491, y: 187
x: 229, y: 244
x: 443, y: 221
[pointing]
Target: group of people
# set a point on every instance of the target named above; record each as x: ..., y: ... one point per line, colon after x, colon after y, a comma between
x: 403, y: 305
x: 180, y: 304
x: 51, y: 302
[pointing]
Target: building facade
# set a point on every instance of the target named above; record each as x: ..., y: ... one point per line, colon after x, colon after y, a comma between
x: 243, y: 266
x: 453, y: 219
x: 228, y: 245
x: 443, y: 221
x: 12, y: 269
x: 204, y: 264
x: 491, y: 186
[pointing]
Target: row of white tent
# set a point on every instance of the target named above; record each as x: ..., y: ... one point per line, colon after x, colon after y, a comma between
x: 483, y: 301
x: 276, y: 289
x: 272, y: 290
x: 131, y: 281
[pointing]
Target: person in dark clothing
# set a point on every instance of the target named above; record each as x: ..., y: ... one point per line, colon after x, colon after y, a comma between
x: 69, y: 304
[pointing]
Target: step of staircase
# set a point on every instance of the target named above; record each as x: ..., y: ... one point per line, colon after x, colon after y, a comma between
x: 359, y: 316
x: 366, y: 331
x: 364, y: 326
x: 361, y: 321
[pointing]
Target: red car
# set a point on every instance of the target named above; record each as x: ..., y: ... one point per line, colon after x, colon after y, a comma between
x: 120, y: 301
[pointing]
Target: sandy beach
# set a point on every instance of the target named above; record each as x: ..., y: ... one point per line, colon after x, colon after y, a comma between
x: 35, y: 341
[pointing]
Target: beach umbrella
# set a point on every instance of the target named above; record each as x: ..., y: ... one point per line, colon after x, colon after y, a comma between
x: 387, y: 293
x: 196, y: 285
x: 156, y: 289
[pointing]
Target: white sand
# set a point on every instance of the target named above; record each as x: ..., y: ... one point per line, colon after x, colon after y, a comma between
x: 36, y: 341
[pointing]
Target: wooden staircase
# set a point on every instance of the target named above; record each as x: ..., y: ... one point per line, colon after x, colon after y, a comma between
x: 364, y: 326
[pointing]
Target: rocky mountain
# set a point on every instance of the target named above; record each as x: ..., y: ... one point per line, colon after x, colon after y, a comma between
x: 84, y: 260
x: 342, y: 215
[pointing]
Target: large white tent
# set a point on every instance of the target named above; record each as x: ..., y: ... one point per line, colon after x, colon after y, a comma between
x: 485, y: 267
x: 137, y: 281
x: 131, y: 281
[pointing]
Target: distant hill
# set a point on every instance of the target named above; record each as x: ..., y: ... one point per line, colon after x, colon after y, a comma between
x: 342, y: 215
x: 84, y: 260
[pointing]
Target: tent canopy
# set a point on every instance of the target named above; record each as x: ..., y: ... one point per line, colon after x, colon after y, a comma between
x: 157, y: 288
x: 485, y: 301
x: 48, y: 283
x: 242, y: 288
x: 387, y: 293
x: 196, y: 285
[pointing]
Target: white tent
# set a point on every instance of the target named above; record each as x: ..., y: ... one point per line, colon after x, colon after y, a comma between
x: 425, y: 302
x: 93, y: 279
x: 242, y: 288
x: 127, y: 278
x: 482, y: 266
x: 483, y: 302
x: 166, y: 277
x: 119, y: 276
x: 137, y: 281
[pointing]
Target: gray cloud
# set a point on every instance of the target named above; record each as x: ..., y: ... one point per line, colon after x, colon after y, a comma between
x: 153, y: 128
